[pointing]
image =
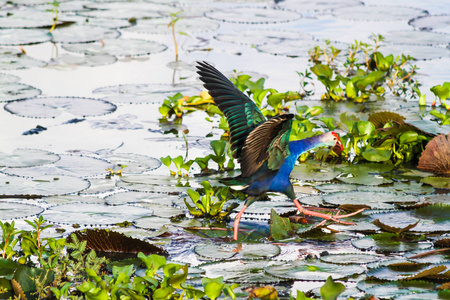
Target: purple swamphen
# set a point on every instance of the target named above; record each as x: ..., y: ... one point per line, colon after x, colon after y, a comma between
x: 261, y: 146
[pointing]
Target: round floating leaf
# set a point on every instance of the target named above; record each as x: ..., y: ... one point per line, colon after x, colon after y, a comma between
x: 17, y: 91
x: 261, y: 209
x: 118, y: 47
x: 246, y: 251
x: 46, y: 185
x: 7, y: 79
x: 350, y: 258
x: 431, y: 22
x: 100, y: 185
x: 435, y: 199
x: 155, y: 184
x: 243, y: 271
x: 127, y: 10
x: 255, y: 37
x: 314, y: 171
x: 163, y: 211
x: 187, y: 26
x: 417, y: 51
x: 313, y: 270
x: 436, y: 156
x: 120, y: 123
x: 142, y: 163
x: 437, y: 182
x: 27, y: 158
x: 72, y: 165
x: 13, y: 61
x: 152, y: 223
x: 333, y: 187
x: 253, y: 15
x: 15, y: 210
x: 412, y: 187
x: 417, y: 38
x: 373, y: 199
x: 367, y: 174
x: 386, y: 244
x: 312, y: 200
x: 57, y: 200
x: 28, y: 18
x: 23, y: 36
x: 82, y: 33
x: 65, y: 61
x: 88, y: 214
x: 318, y: 6
x: 404, y: 271
x: 139, y: 197
x: 144, y: 93
x: 51, y: 107
x: 396, y: 289
x: 292, y: 48
x: 378, y: 13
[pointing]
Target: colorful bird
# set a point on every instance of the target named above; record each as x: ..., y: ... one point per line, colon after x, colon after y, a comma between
x: 261, y: 146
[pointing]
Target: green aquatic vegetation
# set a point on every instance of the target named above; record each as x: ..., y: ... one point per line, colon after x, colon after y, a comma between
x: 9, y: 240
x: 357, y: 80
x: 442, y: 92
x: 209, y: 201
x: 180, y: 165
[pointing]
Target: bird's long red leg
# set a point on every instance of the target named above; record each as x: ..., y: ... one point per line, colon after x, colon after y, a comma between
x: 326, y: 216
x: 237, y: 219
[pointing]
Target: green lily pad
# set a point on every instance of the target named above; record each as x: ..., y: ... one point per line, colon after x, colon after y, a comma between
x: 395, y: 289
x: 243, y: 271
x: 413, y: 187
x: 163, y: 211
x: 90, y: 214
x: 15, y: 210
x: 51, y: 107
x: 17, y: 91
x: 253, y: 37
x: 57, y: 200
x: 135, y: 163
x: 156, y: 184
x: 8, y: 78
x: 261, y: 209
x: 127, y: 10
x: 144, y: 93
x: 437, y: 182
x: 117, y: 47
x: 71, y: 165
x: 68, y: 61
x: 152, y: 222
x: 313, y: 270
x: 392, y: 273
x: 159, y: 26
x: 415, y: 37
x: 82, y: 34
x: 290, y: 47
x: 139, y: 197
x: 432, y: 295
x: 316, y: 200
x: 367, y: 174
x: 15, y: 37
x: 253, y: 15
x: 11, y: 59
x: 378, y: 13
x: 435, y: 199
x: 245, y: 251
x: 431, y: 22
x: 27, y: 18
x: 20, y: 158
x: 350, y: 258
x: 318, y: 6
x: 419, y: 52
x: 386, y: 245
x: 375, y: 200
x: 335, y: 187
x: 100, y: 185
x: 46, y: 185
x: 314, y: 171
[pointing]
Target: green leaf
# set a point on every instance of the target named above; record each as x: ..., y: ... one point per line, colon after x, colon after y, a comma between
x: 177, y: 279
x: 441, y: 91
x: 322, y: 70
x: 408, y: 137
x: 27, y: 277
x: 331, y: 290
x: 153, y: 262
x: 178, y: 161
x: 363, y: 127
x: 350, y: 90
x: 376, y: 155
x: 280, y: 228
x: 369, y: 79
x: 163, y: 293
x: 218, y: 147
x: 167, y: 161
x: 213, y: 287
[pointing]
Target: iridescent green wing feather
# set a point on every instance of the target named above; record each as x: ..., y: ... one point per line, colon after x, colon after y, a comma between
x: 269, y: 142
x: 242, y: 114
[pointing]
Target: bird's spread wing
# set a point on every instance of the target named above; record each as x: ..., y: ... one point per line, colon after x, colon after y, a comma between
x: 269, y: 142
x: 242, y: 114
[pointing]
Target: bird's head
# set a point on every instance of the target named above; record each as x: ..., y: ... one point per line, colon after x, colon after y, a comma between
x: 331, y: 139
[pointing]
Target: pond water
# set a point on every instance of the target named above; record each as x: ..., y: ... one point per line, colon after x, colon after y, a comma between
x: 92, y: 92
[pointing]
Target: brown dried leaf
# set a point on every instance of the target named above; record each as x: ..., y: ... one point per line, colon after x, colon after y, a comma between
x: 442, y: 243
x: 436, y: 156
x: 112, y: 243
x: 263, y: 293
x: 388, y: 228
x: 379, y: 119
x: 444, y: 286
x: 427, y: 273
x: 20, y: 295
x: 410, y: 266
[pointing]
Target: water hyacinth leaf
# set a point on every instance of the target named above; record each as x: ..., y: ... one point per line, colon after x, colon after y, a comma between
x: 385, y: 243
x: 17, y: 91
x: 350, y: 258
x: 88, y: 214
x: 378, y: 13
x: 253, y: 15
x: 280, y: 228
x: 313, y: 270
x: 68, y: 165
x: 436, y: 156
x: 46, y: 185
x: 115, y: 244
x: 187, y: 26
x: 82, y: 34
x: 27, y: 158
x: 118, y: 47
x: 14, y: 37
x: 51, y: 107
x: 331, y: 290
x: 14, y: 210
x: 144, y: 93
x: 242, y: 271
x: 68, y: 61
